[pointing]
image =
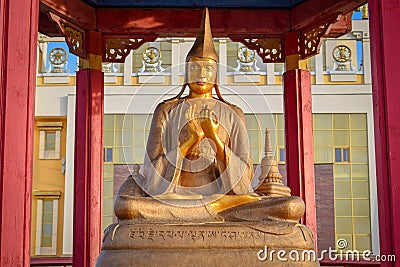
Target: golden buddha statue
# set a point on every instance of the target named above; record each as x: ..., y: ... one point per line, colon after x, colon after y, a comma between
x: 196, y: 179
x: 197, y: 153
x: 198, y: 145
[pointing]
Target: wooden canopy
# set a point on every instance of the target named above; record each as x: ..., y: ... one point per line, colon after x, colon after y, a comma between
x: 260, y: 25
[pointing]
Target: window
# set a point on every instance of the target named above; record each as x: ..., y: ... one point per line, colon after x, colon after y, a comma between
x: 282, y: 155
x: 125, y: 137
x: 46, y: 222
x: 49, y: 141
x: 342, y: 139
x: 342, y: 154
x: 108, y: 154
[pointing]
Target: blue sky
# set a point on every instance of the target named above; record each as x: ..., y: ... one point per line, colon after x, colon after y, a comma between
x: 72, y: 59
x: 358, y: 16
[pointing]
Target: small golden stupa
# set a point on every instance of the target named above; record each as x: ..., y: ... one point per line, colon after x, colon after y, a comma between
x: 272, y: 184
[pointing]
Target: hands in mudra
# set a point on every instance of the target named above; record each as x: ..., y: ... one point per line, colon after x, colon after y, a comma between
x: 209, y: 122
x: 205, y: 125
x: 194, y: 127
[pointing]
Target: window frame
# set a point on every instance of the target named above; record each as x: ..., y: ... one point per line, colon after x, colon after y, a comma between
x: 42, y: 196
x: 45, y: 128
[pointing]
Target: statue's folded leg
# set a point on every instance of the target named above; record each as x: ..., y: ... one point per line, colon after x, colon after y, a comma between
x: 167, y: 210
x: 225, y: 208
x: 268, y: 208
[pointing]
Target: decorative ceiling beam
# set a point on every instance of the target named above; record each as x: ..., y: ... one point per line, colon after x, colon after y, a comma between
x: 76, y: 11
x: 314, y: 12
x: 340, y: 27
x: 47, y: 26
x: 262, y: 30
x: 185, y: 22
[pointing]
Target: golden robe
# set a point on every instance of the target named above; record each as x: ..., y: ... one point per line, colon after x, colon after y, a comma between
x: 200, y: 172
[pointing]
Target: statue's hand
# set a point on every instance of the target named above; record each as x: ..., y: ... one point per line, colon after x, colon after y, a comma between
x: 196, y: 133
x: 195, y: 130
x: 209, y: 123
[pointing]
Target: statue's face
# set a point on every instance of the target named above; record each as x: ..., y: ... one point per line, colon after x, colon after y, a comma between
x: 201, y: 74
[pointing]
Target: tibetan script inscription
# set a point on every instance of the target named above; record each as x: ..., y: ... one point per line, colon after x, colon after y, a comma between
x: 194, y: 235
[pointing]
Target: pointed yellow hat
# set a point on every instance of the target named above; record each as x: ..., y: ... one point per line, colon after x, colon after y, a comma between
x: 203, y: 46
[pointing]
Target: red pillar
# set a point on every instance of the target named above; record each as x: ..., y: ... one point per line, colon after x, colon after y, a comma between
x: 385, y: 51
x: 299, y: 141
x: 88, y: 186
x: 18, y: 31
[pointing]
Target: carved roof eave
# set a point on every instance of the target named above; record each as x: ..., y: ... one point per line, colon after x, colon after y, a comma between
x: 270, y: 46
x: 117, y: 48
x: 271, y: 49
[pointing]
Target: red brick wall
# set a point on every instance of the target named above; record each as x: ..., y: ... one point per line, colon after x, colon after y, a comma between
x: 324, y: 197
x: 324, y: 194
x: 121, y: 172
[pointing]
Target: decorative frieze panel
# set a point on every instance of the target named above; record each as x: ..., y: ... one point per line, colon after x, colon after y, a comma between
x: 246, y: 60
x: 269, y: 49
x: 116, y: 49
x: 74, y: 36
x: 342, y: 58
x: 151, y: 62
x: 312, y: 40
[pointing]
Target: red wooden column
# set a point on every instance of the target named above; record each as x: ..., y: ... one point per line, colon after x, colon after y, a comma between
x: 88, y: 186
x: 298, y: 130
x: 18, y: 31
x: 385, y: 51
